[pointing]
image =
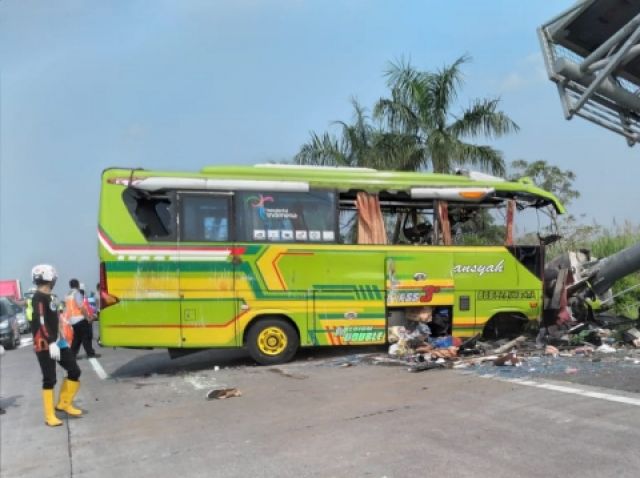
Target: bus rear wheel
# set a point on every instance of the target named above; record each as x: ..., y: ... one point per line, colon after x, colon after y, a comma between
x: 272, y: 341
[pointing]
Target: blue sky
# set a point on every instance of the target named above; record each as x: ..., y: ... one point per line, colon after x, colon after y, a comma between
x: 179, y: 84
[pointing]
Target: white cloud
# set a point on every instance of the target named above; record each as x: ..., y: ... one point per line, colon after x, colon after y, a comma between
x: 513, y: 82
x: 528, y: 72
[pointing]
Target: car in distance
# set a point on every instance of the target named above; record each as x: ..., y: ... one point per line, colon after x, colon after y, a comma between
x: 9, y: 328
x: 21, y: 315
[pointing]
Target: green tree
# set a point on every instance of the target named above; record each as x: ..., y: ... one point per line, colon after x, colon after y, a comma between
x: 560, y: 183
x: 360, y: 144
x: 421, y: 106
x: 548, y: 177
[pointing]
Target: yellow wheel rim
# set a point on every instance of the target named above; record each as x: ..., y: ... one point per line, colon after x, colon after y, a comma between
x: 272, y: 341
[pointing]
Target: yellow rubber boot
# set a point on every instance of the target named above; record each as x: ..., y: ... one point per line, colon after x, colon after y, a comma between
x: 49, y: 413
x: 67, y: 392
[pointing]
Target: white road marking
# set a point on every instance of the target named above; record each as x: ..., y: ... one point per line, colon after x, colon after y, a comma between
x: 98, y: 368
x: 25, y: 342
x: 572, y: 390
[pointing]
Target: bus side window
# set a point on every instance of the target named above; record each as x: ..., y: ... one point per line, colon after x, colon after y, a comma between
x: 276, y: 216
x: 204, y: 218
x: 152, y: 213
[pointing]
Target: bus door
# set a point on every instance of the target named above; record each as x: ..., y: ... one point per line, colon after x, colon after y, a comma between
x: 419, y: 277
x: 208, y: 304
x: 348, y: 298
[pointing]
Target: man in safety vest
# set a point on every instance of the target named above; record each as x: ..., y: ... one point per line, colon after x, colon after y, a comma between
x: 80, y: 319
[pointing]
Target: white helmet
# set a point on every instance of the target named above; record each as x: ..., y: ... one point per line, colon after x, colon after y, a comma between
x: 43, y: 273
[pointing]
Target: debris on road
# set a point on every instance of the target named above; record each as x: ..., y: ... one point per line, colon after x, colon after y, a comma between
x: 222, y: 393
x: 510, y: 345
x: 570, y: 348
x: 508, y: 359
x: 422, y: 366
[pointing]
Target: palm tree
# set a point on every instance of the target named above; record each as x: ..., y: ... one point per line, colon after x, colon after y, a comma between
x: 361, y: 144
x: 420, y: 107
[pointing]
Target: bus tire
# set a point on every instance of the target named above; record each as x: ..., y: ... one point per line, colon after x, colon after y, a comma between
x: 504, y: 325
x: 272, y: 341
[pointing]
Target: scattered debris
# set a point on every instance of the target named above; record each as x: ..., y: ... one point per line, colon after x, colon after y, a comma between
x: 508, y: 359
x: 551, y: 350
x: 221, y: 393
x: 606, y: 349
x: 510, y: 345
x: 422, y: 366
x: 585, y: 350
x: 288, y: 374
x: 567, y: 343
x: 632, y: 336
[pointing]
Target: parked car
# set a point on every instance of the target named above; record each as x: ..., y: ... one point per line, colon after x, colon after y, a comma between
x: 21, y: 314
x: 9, y: 328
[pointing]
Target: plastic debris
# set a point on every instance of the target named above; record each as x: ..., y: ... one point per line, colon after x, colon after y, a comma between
x: 442, y: 342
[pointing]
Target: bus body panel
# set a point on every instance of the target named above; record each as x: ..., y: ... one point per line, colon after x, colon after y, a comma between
x: 148, y: 311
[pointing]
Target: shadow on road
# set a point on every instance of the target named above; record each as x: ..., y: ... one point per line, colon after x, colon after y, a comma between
x: 159, y: 362
x: 8, y: 402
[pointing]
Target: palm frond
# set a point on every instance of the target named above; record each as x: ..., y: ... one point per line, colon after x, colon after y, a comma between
x: 322, y: 150
x: 443, y: 89
x: 482, y: 119
x: 398, y: 115
x: 483, y: 157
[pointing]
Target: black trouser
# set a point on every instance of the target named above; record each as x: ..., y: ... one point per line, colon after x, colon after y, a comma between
x: 82, y: 334
x: 48, y: 367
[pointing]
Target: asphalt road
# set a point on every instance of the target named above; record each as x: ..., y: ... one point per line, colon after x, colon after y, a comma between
x: 328, y: 414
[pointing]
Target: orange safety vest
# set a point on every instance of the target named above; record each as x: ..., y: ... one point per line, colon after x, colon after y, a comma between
x: 72, y: 309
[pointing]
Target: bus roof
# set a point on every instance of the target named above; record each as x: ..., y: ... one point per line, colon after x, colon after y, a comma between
x: 328, y: 177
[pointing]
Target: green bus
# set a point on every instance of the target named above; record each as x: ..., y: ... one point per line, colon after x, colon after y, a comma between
x: 275, y: 257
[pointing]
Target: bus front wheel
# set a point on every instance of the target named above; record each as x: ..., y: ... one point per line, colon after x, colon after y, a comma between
x: 272, y: 341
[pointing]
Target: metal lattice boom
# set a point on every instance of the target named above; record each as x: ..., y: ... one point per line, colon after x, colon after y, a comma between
x: 591, y: 52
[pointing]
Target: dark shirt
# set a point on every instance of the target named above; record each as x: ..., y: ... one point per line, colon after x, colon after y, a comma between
x: 46, y: 308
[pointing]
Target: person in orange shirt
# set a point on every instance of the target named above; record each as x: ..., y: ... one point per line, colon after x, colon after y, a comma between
x: 80, y: 319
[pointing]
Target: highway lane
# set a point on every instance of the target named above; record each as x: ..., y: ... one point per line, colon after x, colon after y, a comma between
x: 315, y: 417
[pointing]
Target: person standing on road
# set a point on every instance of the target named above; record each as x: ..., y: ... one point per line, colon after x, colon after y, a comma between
x: 80, y: 318
x: 91, y: 313
x: 52, y: 346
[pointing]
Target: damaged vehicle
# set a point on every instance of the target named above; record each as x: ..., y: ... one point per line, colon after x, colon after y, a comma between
x: 579, y: 299
x: 275, y: 257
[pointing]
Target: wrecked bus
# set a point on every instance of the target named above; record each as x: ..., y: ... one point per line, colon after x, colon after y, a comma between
x: 274, y: 257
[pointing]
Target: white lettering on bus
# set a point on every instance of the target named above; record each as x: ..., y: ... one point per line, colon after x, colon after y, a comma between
x: 479, y: 269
